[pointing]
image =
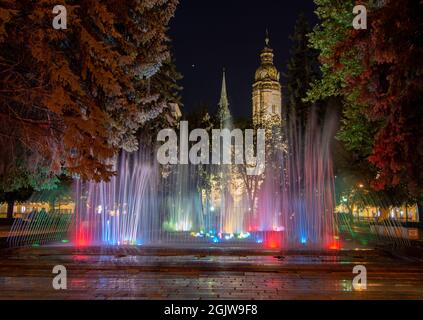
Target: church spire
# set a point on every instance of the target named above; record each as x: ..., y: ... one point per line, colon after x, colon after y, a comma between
x: 223, y: 111
x: 267, y: 39
x: 267, y: 52
x: 224, y: 95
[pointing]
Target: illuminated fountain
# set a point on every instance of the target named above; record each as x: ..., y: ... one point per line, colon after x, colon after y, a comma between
x: 308, y: 201
x: 182, y: 200
x: 294, y: 208
x: 141, y: 205
x: 295, y: 205
x: 123, y: 211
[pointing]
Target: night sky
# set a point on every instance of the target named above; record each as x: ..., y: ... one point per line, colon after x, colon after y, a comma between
x: 208, y: 35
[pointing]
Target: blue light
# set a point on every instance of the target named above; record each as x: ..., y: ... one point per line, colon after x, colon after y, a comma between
x: 303, y: 240
x: 229, y: 236
x: 259, y: 240
x: 215, y: 240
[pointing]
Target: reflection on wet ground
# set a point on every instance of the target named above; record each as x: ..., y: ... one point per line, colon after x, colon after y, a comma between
x: 108, y: 273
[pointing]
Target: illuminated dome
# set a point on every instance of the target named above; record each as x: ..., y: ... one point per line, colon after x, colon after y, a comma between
x: 267, y: 70
x: 267, y: 73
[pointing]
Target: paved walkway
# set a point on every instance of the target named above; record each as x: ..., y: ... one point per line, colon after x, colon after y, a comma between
x: 149, y: 273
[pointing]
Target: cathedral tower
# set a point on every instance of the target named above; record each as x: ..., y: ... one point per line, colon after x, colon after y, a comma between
x: 224, y: 113
x: 267, y: 93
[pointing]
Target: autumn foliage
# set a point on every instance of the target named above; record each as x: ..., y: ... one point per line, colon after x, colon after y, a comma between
x: 72, y: 98
x: 391, y: 87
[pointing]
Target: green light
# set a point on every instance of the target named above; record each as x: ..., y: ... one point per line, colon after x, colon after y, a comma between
x: 65, y: 241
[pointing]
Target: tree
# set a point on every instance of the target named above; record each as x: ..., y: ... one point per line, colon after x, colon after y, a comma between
x: 335, y: 22
x: 165, y: 87
x: 11, y: 197
x: 378, y: 76
x: 336, y: 17
x: 353, y: 185
x: 200, y: 118
x: 250, y: 183
x: 62, y: 193
x: 302, y: 71
x: 391, y: 86
x: 81, y: 92
x: 166, y: 82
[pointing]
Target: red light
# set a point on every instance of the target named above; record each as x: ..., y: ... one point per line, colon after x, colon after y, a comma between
x: 81, y: 237
x: 273, y: 240
x: 272, y: 244
x: 334, y: 246
x: 81, y: 243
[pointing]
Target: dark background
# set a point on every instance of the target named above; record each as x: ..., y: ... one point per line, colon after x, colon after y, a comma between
x: 208, y: 35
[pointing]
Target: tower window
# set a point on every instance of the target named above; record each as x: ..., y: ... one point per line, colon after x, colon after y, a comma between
x: 273, y: 109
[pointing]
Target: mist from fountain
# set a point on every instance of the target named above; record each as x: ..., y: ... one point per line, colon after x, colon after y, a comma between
x: 294, y: 206
x: 123, y: 211
x: 142, y: 204
x: 308, y: 194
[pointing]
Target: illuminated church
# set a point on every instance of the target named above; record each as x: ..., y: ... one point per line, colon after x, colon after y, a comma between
x: 235, y: 201
x: 266, y: 92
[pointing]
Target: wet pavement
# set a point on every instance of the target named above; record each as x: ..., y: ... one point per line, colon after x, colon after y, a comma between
x: 206, y: 273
